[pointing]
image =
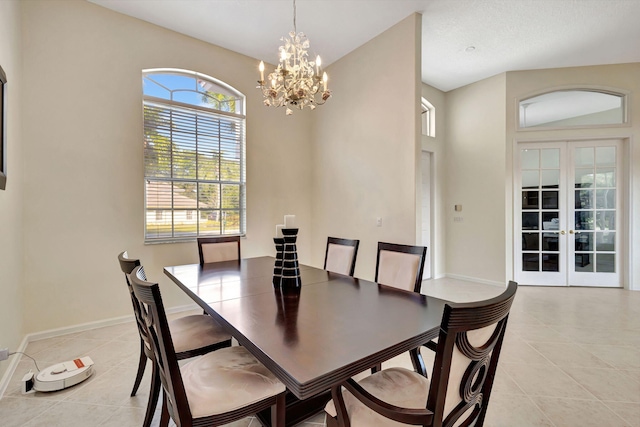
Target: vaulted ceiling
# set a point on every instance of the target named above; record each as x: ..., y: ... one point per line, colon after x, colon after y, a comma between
x: 463, y: 41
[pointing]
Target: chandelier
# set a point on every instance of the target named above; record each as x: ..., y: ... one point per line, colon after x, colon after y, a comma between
x: 296, y: 82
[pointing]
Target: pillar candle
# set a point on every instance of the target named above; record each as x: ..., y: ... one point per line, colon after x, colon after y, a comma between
x: 279, y: 228
x: 289, y: 221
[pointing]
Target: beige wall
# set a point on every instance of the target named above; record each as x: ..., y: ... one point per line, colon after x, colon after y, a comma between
x: 475, y: 179
x: 83, y: 187
x: 365, y: 146
x: 437, y: 146
x: 623, y: 77
x: 11, y: 265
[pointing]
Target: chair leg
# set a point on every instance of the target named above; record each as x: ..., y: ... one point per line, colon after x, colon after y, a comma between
x: 154, y: 392
x: 278, y: 411
x: 164, y: 415
x: 142, y: 363
x: 418, y: 362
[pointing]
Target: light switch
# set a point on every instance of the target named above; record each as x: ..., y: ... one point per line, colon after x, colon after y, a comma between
x: 458, y: 208
x: 378, y: 222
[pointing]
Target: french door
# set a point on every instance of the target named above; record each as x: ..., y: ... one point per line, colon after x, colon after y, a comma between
x: 567, y: 216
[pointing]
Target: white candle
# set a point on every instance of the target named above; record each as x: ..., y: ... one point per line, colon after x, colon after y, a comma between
x: 289, y: 221
x: 324, y: 80
x: 279, y: 228
x: 318, y: 63
x: 261, y: 67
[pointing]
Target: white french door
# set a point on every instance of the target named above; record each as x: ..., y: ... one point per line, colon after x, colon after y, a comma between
x: 567, y: 215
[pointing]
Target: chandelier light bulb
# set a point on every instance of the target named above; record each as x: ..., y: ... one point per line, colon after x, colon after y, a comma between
x: 318, y: 64
x: 325, y: 78
x: 261, y: 68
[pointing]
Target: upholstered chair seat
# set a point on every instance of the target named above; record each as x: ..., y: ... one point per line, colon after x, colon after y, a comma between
x: 226, y: 380
x: 196, y: 331
x: 396, y: 386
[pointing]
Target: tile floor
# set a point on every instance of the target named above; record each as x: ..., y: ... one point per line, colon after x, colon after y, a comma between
x: 571, y: 358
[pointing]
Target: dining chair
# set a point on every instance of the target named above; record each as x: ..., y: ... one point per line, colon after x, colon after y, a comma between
x: 192, y: 336
x: 217, y: 249
x: 340, y: 255
x: 400, y: 266
x: 217, y: 388
x: 466, y: 357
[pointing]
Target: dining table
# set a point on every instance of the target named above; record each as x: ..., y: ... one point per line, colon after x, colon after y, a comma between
x: 328, y: 330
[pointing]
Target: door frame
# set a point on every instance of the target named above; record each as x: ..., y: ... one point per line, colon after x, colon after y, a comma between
x: 626, y: 190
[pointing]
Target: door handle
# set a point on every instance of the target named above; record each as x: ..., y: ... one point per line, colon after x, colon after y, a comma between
x: 563, y: 232
x: 571, y: 231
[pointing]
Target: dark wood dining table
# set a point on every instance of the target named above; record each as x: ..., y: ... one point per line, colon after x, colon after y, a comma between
x: 334, y: 328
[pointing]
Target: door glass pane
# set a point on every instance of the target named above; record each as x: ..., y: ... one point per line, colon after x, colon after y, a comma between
x: 606, y: 241
x: 605, y: 263
x: 550, y: 220
x: 530, y: 241
x: 530, y: 221
x: 530, y: 179
x: 605, y: 177
x: 530, y: 200
x: 551, y: 178
x: 606, y: 156
x: 584, y: 220
x: 584, y: 199
x: 549, y: 200
x: 584, y: 178
x: 530, y: 159
x: 606, y: 199
x: 583, y: 241
x: 550, y: 158
x: 583, y: 157
x: 550, y: 241
x: 606, y: 220
x: 550, y: 262
x: 530, y: 262
x: 583, y: 263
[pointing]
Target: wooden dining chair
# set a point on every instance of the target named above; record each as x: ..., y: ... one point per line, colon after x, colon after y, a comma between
x: 217, y: 388
x: 340, y: 255
x: 400, y: 266
x: 219, y: 248
x: 192, y: 336
x: 466, y: 358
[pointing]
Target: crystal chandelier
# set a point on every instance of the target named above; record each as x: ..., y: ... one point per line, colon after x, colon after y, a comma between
x: 296, y: 82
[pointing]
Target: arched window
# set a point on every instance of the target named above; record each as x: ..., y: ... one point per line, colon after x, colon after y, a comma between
x: 572, y: 108
x: 428, y: 118
x: 194, y: 156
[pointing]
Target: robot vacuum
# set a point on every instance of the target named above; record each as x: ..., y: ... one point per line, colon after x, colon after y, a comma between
x: 60, y: 376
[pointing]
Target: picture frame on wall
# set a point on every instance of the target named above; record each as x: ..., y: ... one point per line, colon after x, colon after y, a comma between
x: 3, y: 129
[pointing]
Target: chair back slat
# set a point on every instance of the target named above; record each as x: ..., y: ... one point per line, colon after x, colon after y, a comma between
x: 467, y: 352
x: 155, y: 319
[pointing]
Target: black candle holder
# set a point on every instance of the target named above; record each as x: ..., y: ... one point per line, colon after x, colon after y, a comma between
x: 277, y: 266
x: 290, y: 281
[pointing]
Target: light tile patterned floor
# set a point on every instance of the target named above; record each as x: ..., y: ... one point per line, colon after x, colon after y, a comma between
x: 571, y: 358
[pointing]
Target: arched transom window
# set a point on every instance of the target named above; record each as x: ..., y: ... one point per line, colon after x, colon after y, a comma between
x: 572, y: 108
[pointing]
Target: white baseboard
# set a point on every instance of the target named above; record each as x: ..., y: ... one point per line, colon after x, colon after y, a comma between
x: 475, y: 279
x: 51, y: 333
x: 13, y: 364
